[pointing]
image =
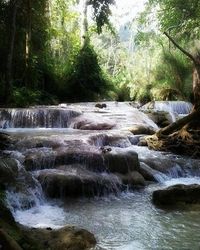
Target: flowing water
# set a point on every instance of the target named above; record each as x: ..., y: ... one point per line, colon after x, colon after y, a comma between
x: 120, y: 220
x: 128, y: 221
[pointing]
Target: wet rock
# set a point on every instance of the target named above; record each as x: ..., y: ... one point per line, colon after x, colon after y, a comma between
x: 121, y: 161
x: 147, y: 172
x: 46, y: 117
x: 8, y: 170
x: 5, y: 141
x: 163, y: 165
x: 132, y: 179
x: 142, y: 142
x: 179, y: 107
x: 91, y: 157
x: 69, y: 238
x: 161, y: 118
x: 10, y: 233
x: 177, y: 194
x: 86, y: 124
x: 7, y: 242
x: 139, y: 129
x: 16, y: 237
x: 114, y: 140
x: 76, y: 181
x: 100, y: 105
x: 134, y: 139
x: 39, y: 158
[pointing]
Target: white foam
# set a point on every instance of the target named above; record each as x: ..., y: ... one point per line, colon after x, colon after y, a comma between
x: 41, y: 216
x: 186, y: 181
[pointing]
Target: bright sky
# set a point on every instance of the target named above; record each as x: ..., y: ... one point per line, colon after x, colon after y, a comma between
x: 126, y: 10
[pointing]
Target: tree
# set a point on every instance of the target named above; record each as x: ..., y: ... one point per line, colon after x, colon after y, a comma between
x: 196, y: 71
x: 86, y: 81
x: 179, y: 17
x: 14, y: 5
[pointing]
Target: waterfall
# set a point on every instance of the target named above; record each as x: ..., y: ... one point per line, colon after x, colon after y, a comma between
x: 37, y: 117
x: 25, y: 191
x: 179, y: 107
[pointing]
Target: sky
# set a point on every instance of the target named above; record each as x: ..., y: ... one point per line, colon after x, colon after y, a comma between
x: 126, y: 10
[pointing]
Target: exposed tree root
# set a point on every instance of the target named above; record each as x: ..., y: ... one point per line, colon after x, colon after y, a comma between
x: 181, y: 137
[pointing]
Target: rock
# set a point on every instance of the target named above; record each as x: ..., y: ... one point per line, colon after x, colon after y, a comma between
x: 16, y: 237
x: 121, y: 160
x: 161, y: 118
x: 134, y: 139
x: 75, y: 181
x: 100, y: 105
x: 177, y: 194
x: 111, y: 139
x: 160, y: 164
x: 5, y: 141
x: 142, y: 142
x: 86, y: 124
x: 8, y: 170
x: 132, y: 179
x: 7, y: 242
x: 48, y: 117
x: 142, y: 129
x: 147, y: 172
x: 69, y: 238
x: 91, y: 157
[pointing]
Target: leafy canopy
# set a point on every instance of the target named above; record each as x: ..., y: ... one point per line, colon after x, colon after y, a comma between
x: 101, y: 12
x: 179, y: 17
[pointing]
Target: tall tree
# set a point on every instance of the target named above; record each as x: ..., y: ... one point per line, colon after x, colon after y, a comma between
x: 196, y: 71
x: 13, y: 6
x: 181, y: 18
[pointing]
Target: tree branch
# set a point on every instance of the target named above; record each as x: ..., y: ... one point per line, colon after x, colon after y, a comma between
x: 180, y: 48
x: 178, y: 124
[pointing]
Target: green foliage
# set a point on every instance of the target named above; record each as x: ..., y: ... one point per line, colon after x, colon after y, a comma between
x: 143, y: 93
x: 122, y: 93
x: 23, y: 96
x: 173, y: 77
x: 180, y: 17
x: 101, y: 12
x: 86, y: 81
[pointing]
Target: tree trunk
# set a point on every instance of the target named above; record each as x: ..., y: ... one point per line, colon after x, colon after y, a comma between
x: 28, y: 43
x: 9, y: 66
x: 84, y: 29
x: 182, y: 136
x: 196, y: 85
x: 196, y: 72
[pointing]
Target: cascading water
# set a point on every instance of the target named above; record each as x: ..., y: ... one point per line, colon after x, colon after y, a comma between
x: 37, y: 118
x: 175, y: 109
x: 56, y: 165
x: 179, y: 107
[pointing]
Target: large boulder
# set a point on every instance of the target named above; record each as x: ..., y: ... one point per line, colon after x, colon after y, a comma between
x: 120, y: 160
x: 69, y: 238
x: 166, y: 165
x: 86, y: 124
x: 121, y: 140
x: 161, y: 118
x: 147, y: 172
x: 132, y: 179
x: 5, y: 140
x: 177, y: 194
x: 139, y: 129
x: 75, y: 181
x: 8, y: 170
x: 17, y: 237
x: 7, y: 242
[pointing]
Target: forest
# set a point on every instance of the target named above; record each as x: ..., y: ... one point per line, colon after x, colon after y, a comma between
x: 99, y: 124
x: 68, y: 51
